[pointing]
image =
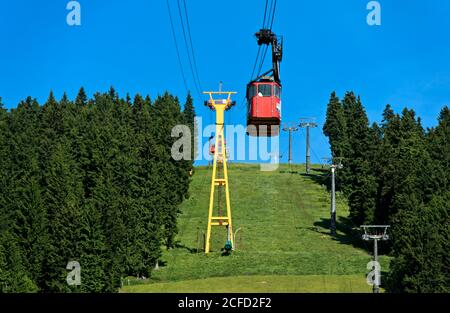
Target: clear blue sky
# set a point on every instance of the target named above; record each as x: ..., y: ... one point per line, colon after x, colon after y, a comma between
x: 328, y: 46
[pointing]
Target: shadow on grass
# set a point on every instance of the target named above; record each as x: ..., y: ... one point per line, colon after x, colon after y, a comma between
x: 224, y: 252
x: 288, y: 172
x: 321, y: 170
x: 321, y: 179
x: 346, y: 234
x: 179, y: 245
x: 162, y: 263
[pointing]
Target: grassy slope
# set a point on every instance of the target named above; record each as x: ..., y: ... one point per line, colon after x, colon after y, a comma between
x: 283, y: 218
x: 258, y: 283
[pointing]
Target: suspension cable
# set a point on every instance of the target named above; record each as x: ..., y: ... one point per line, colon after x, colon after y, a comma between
x: 270, y: 14
x: 272, y: 10
x: 187, y: 47
x: 262, y: 61
x: 176, y: 46
x: 192, y: 46
x: 256, y: 61
x: 273, y: 14
x: 265, y: 13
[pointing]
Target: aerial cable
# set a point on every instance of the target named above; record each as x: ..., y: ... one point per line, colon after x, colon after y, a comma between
x: 253, y: 72
x: 273, y: 6
x: 273, y: 14
x: 176, y: 46
x: 265, y: 13
x: 259, y: 48
x: 256, y: 62
x: 269, y: 16
x: 192, y: 46
x: 187, y: 47
x: 262, y: 61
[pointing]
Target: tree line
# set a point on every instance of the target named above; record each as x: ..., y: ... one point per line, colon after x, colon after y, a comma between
x: 397, y: 173
x: 92, y: 181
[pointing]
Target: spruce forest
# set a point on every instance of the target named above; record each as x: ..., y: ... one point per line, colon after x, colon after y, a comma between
x: 93, y: 180
x: 90, y: 180
x: 397, y: 173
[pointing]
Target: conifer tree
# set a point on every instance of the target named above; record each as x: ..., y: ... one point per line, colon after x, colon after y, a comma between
x: 335, y: 127
x: 420, y: 248
x: 81, y: 99
x: 189, y: 117
x: 359, y: 183
x: 91, y: 181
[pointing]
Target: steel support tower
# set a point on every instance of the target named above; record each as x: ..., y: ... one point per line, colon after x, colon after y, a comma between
x: 308, y: 123
x: 290, y: 128
x: 219, y: 182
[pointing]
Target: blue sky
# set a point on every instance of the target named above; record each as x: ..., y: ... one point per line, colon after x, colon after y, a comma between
x: 328, y: 46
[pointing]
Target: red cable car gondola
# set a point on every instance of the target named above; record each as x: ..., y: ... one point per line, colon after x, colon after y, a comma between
x: 264, y: 93
x: 264, y: 108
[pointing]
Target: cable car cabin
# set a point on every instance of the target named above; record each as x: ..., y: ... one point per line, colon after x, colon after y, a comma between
x: 263, y: 108
x: 212, y: 150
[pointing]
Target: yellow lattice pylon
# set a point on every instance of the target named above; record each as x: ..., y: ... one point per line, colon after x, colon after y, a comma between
x: 220, y: 151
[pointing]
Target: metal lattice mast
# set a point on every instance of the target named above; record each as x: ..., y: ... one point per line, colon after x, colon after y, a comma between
x: 220, y: 156
x: 308, y: 123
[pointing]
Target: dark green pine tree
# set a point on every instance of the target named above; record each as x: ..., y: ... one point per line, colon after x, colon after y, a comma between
x: 404, y: 157
x: 439, y: 147
x: 64, y: 102
x: 93, y: 259
x: 14, y: 277
x: 81, y: 99
x: 189, y: 117
x: 26, y: 201
x: 138, y: 104
x: 412, y: 150
x: 421, y: 205
x: 386, y: 162
x: 147, y: 236
x: 167, y: 114
x: 420, y: 248
x: 5, y: 167
x: 106, y: 193
x: 91, y: 181
x: 63, y: 196
x: 335, y: 127
x: 357, y: 175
